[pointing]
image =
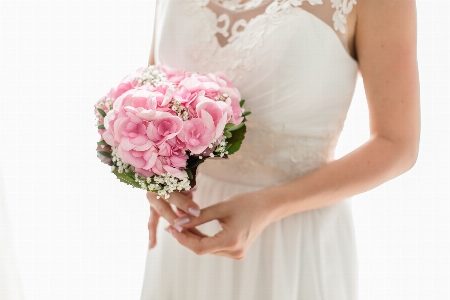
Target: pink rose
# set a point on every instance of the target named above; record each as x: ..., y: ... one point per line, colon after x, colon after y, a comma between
x: 158, y: 166
x: 151, y: 115
x: 186, y: 97
x: 161, y: 167
x: 142, y: 158
x: 227, y: 87
x: 198, y: 133
x: 177, y: 143
x: 131, y: 157
x: 136, y: 98
x: 178, y: 158
x: 127, y: 124
x: 179, y: 161
x: 163, y: 94
x: 219, y: 116
x: 108, y: 134
x: 175, y: 172
x: 127, y: 83
x: 237, y: 111
x: 199, y: 82
x: 129, y: 133
x: 162, y: 129
x: 192, y: 103
x: 165, y: 149
x: 173, y: 75
x: 142, y: 172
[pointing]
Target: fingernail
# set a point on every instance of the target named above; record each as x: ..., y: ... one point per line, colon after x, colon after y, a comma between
x: 181, y: 221
x: 168, y: 229
x: 194, y: 211
x: 178, y: 227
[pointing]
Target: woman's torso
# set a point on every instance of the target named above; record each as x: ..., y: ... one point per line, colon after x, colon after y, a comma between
x: 291, y: 65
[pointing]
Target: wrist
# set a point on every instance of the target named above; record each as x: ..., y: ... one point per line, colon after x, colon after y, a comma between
x: 277, y: 202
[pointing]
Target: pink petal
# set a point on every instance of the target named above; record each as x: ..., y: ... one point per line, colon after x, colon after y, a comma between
x: 145, y: 146
x: 137, y: 153
x: 175, y: 172
x: 125, y: 144
x: 197, y: 149
x: 207, y: 118
x: 221, y: 126
x: 126, y: 156
x: 139, y: 140
x: 134, y: 118
x: 151, y: 162
x: 143, y: 172
x: 168, y: 96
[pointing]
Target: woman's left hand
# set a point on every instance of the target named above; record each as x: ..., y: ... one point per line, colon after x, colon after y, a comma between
x: 242, y: 218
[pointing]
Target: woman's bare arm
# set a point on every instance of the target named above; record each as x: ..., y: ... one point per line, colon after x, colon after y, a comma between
x: 151, y: 60
x: 386, y: 35
x: 386, y: 49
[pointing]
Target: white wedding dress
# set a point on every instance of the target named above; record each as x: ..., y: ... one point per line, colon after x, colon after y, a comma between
x: 289, y: 59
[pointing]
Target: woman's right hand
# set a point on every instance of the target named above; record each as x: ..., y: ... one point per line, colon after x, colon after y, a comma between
x: 185, y: 206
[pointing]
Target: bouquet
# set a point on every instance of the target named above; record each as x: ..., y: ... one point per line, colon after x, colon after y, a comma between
x: 160, y: 123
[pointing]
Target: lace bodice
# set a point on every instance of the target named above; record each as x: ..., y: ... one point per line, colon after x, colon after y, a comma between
x: 289, y: 60
x: 234, y: 15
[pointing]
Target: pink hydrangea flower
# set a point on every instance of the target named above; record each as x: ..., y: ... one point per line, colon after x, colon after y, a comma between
x: 158, y: 121
x: 198, y: 133
x: 219, y: 113
x: 164, y: 128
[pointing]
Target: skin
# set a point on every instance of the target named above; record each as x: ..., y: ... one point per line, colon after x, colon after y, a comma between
x: 383, y: 39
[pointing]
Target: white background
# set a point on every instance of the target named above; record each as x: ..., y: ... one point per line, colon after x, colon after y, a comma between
x: 79, y: 234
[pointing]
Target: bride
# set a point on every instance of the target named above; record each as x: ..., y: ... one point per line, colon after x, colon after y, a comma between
x: 274, y: 220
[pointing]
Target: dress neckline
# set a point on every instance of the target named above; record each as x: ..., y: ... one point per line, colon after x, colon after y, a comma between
x: 238, y: 7
x: 271, y: 8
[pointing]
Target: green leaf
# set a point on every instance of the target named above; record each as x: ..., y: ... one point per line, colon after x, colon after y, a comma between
x: 101, y: 126
x: 189, y: 172
x: 102, y: 112
x: 229, y: 125
x: 227, y: 134
x: 127, y: 178
x: 246, y: 113
x: 102, y: 142
x: 234, y: 128
x: 241, y: 103
x: 236, y: 139
x: 193, y: 162
x: 105, y: 154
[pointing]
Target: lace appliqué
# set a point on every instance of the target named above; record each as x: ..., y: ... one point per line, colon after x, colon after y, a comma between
x: 239, y: 5
x: 235, y: 58
x: 343, y: 8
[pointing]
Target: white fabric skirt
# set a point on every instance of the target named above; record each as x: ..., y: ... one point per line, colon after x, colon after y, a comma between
x: 308, y: 256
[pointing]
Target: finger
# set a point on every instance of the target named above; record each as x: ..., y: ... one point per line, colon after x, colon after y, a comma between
x: 237, y: 255
x: 224, y: 253
x: 184, y: 203
x: 152, y: 225
x: 196, y: 232
x: 179, y: 212
x: 200, y: 245
x: 164, y: 209
x: 188, y: 194
x: 213, y: 212
x: 191, y: 231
